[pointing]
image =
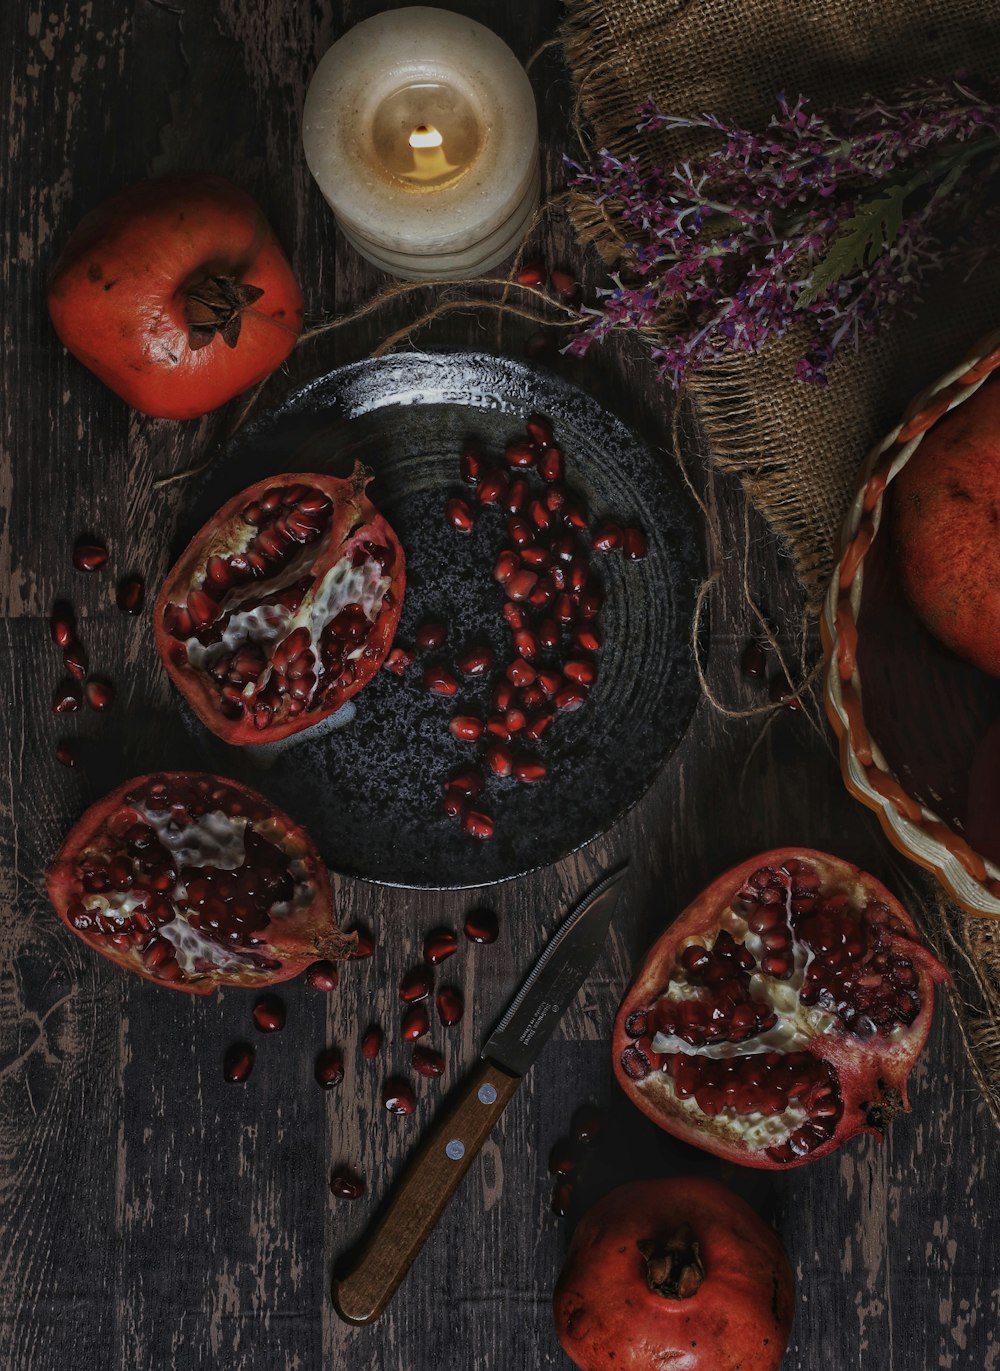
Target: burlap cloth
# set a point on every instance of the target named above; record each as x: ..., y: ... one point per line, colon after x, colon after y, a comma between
x: 796, y: 448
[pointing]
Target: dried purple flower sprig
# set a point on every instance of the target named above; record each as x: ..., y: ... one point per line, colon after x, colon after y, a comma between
x: 836, y: 218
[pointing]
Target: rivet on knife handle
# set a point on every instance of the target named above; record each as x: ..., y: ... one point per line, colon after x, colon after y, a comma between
x: 427, y: 1185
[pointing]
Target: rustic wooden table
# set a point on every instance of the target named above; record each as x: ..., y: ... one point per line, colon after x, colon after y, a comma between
x: 155, y: 1217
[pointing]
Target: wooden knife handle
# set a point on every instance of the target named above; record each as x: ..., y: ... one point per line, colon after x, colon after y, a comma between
x: 426, y: 1187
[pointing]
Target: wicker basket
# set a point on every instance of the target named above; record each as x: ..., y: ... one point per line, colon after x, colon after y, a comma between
x: 909, y: 715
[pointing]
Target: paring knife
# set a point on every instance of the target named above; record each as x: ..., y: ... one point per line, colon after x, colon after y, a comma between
x: 437, y: 1170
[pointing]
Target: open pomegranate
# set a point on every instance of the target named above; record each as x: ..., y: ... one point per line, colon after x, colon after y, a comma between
x: 780, y: 1014
x: 196, y: 882
x: 282, y: 607
x: 677, y: 1273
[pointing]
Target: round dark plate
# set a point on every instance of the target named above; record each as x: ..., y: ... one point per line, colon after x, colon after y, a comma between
x: 368, y: 784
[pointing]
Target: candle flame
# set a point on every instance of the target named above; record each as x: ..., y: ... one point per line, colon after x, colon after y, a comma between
x: 426, y: 136
x: 429, y: 161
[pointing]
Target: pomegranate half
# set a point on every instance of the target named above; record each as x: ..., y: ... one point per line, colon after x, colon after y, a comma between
x: 282, y: 606
x: 196, y: 882
x: 678, y: 1273
x: 780, y: 1014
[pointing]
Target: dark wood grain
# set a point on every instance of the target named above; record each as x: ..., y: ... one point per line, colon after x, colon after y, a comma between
x: 153, y: 1217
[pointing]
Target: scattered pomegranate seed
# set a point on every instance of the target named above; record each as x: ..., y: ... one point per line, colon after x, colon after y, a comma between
x: 238, y: 1062
x: 430, y: 635
x: 66, y: 752
x: 753, y: 662
x: 517, y: 493
x: 67, y: 697
x: 582, y: 672
x: 454, y: 803
x: 398, y: 1097
x: 346, y: 1184
x: 520, y: 532
x: 398, y: 660
x: 89, y: 554
x: 520, y: 673
x: 537, y: 725
x: 269, y: 1014
x: 477, y: 824
x: 365, y: 945
x: 468, y: 781
x: 503, y: 695
x: 588, y: 638
x: 459, y: 515
x: 416, y: 1022
x: 416, y: 985
x: 322, y: 976
x: 587, y: 1124
x: 476, y: 661
x: 329, y: 1068
x: 635, y: 545
x: 569, y: 699
x: 61, y: 624
x: 782, y: 693
x: 562, y: 1158
x: 499, y: 759
x: 520, y: 453
x: 539, y: 430
x: 608, y: 538
x: 450, y: 1006
x: 562, y: 1198
x: 490, y: 490
x: 552, y: 466
x: 521, y: 584
x: 75, y: 660
x: 371, y: 1043
x: 427, y: 1062
x: 529, y: 769
x: 526, y: 645
x: 100, y: 695
x: 130, y: 594
x: 481, y: 926
x: 439, y: 680
x: 566, y: 287
x: 532, y: 274
x: 515, y: 719
x: 439, y: 945
x: 466, y: 728
x: 505, y: 566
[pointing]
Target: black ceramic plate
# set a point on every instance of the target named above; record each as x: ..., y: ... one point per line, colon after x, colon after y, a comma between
x: 369, y: 791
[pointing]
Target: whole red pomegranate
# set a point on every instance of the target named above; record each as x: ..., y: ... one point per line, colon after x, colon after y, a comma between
x: 678, y: 1274
x: 176, y: 293
x: 282, y: 607
x: 946, y: 529
x: 196, y: 882
x: 780, y: 1014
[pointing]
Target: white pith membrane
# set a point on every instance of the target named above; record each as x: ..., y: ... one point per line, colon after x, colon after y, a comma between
x: 268, y: 625
x: 797, y: 1029
x: 214, y: 839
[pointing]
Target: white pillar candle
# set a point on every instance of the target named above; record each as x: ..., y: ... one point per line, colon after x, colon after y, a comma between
x: 421, y: 131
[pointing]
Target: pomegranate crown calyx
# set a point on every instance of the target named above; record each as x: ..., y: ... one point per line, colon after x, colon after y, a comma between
x: 673, y: 1265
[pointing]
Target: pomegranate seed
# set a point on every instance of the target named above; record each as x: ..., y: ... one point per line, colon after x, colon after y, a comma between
x: 562, y: 1158
x: 574, y: 514
x: 535, y: 557
x: 579, y: 574
x: 100, y: 694
x: 552, y: 466
x: 453, y: 806
x: 562, y: 1199
x: 459, y: 515
x: 427, y: 1062
x: 238, y: 1061
x: 539, y: 515
x: 584, y: 673
x: 439, y: 680
x: 564, y: 608
x: 753, y: 662
x: 590, y: 602
x: 499, y: 759
x: 398, y: 1097
x: 346, y: 1185
x: 554, y: 498
x: 476, y: 661
x: 67, y: 697
x: 61, y: 624
x: 89, y: 554
x: 782, y: 693
x: 519, y: 454
x: 514, y: 720
x: 450, y: 1006
x: 526, y: 644
x: 365, y: 945
x: 130, y: 594
x: 587, y: 1124
x: 398, y: 660
x: 439, y: 945
x: 565, y: 287
x: 539, y: 430
x: 529, y: 770
x: 75, y: 660
x: 537, y: 725
x: 505, y: 566
x: 520, y: 532
x: 470, y: 465
x: 477, y: 824
x: 548, y: 633
x: 430, y: 635
x: 541, y: 596
x: 608, y: 538
x: 521, y: 584
x: 481, y: 926
x: 322, y: 976
x: 532, y: 274
x: 490, y: 490
x: 66, y: 753
x: 416, y: 1022
x: 416, y: 985
x: 468, y: 781
x: 569, y: 699
x: 520, y: 673
x: 202, y: 608
x: 466, y: 728
x: 635, y: 545
x: 328, y: 1068
x: 497, y: 725
x: 588, y: 638
x: 503, y: 695
x: 517, y: 493
x: 371, y: 1043
x: 269, y: 1014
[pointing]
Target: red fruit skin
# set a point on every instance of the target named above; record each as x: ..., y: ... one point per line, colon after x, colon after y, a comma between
x: 739, y: 1319
x: 354, y: 515
x: 117, y: 295
x: 873, y: 1079
x: 312, y: 934
x: 945, y: 504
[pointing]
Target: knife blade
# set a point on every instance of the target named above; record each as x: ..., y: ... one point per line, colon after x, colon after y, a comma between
x: 453, y: 1143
